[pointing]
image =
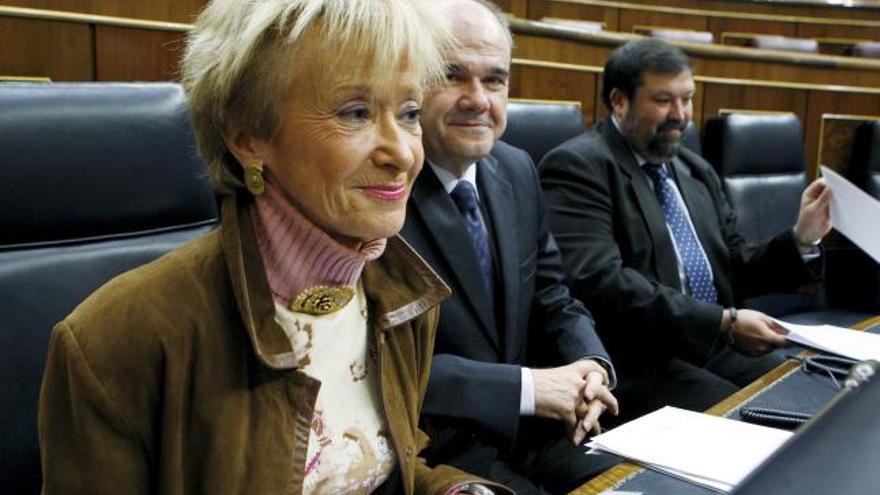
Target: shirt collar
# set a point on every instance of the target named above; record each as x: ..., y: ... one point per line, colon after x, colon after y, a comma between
x: 449, y: 180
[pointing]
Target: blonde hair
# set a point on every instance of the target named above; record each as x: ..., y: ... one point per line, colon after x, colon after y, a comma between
x: 241, y: 57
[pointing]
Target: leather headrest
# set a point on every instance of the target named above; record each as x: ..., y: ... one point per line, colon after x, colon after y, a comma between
x: 97, y: 160
x: 540, y: 127
x: 754, y: 144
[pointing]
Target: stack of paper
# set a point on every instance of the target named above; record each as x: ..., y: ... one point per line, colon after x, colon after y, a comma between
x: 838, y: 340
x: 711, y: 451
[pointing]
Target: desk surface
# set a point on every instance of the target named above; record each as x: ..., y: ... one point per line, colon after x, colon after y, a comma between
x: 785, y: 387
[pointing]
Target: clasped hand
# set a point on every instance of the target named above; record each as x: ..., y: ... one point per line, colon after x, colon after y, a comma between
x: 576, y: 394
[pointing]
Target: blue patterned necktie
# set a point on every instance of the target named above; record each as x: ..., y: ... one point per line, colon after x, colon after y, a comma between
x: 696, y: 266
x: 465, y: 197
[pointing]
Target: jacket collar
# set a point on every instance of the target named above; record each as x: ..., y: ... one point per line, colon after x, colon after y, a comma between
x: 399, y: 286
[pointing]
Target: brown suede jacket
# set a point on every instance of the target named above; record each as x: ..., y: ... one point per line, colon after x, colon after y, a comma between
x: 174, y: 378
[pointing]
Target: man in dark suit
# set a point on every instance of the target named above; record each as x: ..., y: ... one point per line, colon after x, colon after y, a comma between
x: 649, y: 242
x: 519, y: 376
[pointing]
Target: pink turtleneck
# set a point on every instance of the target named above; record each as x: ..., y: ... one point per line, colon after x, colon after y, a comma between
x: 297, y: 254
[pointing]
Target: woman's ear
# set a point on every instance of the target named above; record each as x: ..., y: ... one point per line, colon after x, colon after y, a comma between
x: 246, y: 148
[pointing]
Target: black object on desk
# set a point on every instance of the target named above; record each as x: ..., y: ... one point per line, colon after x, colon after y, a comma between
x: 836, y: 452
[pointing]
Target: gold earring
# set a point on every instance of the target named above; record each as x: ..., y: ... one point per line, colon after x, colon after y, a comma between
x: 253, y: 179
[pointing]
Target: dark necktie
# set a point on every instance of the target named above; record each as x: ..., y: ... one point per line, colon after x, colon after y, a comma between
x: 465, y: 197
x: 696, y: 266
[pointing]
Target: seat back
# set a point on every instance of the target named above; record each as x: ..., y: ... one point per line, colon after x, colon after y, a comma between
x: 785, y: 43
x: 97, y: 179
x: 705, y: 37
x: 539, y: 126
x: 760, y: 161
x: 867, y: 49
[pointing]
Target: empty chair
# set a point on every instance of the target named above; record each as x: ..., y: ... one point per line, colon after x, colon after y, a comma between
x: 784, y: 43
x: 759, y: 158
x: 538, y: 127
x: 97, y: 179
x: 867, y: 49
x: 681, y: 35
x: 761, y: 164
x: 587, y: 26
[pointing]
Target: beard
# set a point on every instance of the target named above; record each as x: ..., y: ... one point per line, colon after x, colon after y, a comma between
x: 656, y: 145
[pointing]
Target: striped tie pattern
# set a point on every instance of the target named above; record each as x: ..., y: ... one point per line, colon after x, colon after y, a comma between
x: 465, y: 197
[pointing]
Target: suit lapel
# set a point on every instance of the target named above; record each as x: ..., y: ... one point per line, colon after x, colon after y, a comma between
x: 501, y: 206
x: 655, y: 221
x: 444, y: 224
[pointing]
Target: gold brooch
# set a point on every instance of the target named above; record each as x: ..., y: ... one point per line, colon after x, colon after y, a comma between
x: 322, y: 299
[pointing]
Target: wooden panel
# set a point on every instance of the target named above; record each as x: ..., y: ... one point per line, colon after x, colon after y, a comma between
x: 708, y: 60
x: 518, y: 8
x: 719, y: 25
x: 126, y: 54
x: 631, y: 18
x: 820, y: 8
x: 833, y: 102
x: 556, y: 50
x: 566, y: 10
x: 833, y: 31
x: 548, y: 83
x: 719, y: 96
x: 154, y: 10
x: 58, y: 50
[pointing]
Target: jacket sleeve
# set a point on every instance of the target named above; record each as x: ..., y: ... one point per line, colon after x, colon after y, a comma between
x: 561, y: 329
x: 87, y: 444
x: 579, y: 191
x: 440, y: 479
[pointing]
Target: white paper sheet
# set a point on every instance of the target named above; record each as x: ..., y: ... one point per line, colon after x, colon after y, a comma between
x: 708, y: 450
x: 838, y: 340
x: 854, y: 213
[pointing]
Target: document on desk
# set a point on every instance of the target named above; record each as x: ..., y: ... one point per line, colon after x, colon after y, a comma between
x: 854, y: 213
x: 837, y: 340
x: 711, y: 451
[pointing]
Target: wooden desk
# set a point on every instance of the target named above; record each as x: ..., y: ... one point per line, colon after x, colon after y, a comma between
x: 626, y: 471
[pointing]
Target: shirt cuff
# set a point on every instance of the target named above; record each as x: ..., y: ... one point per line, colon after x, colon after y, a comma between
x: 527, y: 393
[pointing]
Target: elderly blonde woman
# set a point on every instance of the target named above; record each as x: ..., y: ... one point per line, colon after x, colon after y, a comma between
x: 288, y: 351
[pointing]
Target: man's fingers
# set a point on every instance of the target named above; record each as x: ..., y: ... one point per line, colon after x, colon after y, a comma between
x: 608, y: 400
x: 590, y: 423
x: 595, y: 381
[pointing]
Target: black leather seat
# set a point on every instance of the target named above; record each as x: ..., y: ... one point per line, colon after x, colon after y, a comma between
x: 760, y: 161
x: 691, y: 138
x: 97, y: 179
x: 538, y: 127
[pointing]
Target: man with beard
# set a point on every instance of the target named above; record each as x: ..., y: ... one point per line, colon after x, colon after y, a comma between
x: 519, y: 376
x: 649, y: 243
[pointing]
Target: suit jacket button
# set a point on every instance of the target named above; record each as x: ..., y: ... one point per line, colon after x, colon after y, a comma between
x: 409, y: 451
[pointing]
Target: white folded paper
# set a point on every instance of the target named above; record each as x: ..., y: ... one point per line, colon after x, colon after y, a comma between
x: 837, y: 340
x: 854, y: 213
x: 708, y: 450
